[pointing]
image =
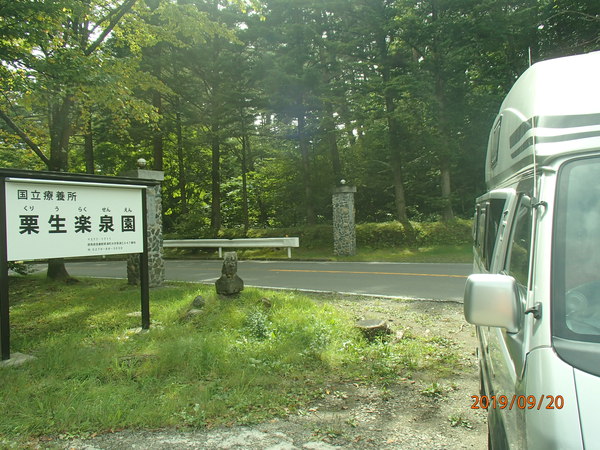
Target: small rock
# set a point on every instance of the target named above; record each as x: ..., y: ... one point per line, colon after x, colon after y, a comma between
x: 199, y: 302
x: 266, y: 302
x: 399, y: 336
x: 194, y: 312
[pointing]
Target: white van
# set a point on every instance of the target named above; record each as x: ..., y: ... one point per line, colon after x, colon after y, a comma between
x: 535, y: 293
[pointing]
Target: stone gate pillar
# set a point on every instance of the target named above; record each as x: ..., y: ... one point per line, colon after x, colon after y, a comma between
x: 344, y: 231
x: 156, y: 264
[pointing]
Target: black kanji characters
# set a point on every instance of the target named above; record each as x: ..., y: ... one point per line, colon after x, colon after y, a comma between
x: 29, y: 224
x: 83, y: 224
x: 106, y: 224
x: 127, y: 223
x: 57, y: 224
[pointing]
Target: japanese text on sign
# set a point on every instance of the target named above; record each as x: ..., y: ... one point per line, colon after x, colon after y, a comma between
x: 49, y: 219
x: 30, y: 224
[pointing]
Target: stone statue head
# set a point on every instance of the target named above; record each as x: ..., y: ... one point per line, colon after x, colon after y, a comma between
x: 229, y: 264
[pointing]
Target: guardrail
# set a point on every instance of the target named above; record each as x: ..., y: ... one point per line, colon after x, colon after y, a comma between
x: 284, y: 242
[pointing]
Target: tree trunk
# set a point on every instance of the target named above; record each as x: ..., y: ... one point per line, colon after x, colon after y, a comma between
x: 444, y: 148
x: 348, y: 125
x: 183, y: 201
x: 447, y: 212
x: 330, y: 132
x: 157, y: 138
x: 308, y: 196
x: 399, y: 195
x: 215, y: 218
x: 328, y: 61
x: 394, y: 131
x: 245, y: 213
x: 58, y: 272
x: 263, y: 215
x: 396, y: 163
x: 89, y: 148
x: 60, y: 133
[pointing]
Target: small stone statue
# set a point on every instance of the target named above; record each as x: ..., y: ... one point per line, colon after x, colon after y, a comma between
x: 229, y: 283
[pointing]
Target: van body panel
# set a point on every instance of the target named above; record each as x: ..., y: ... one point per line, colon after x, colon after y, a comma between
x: 540, y: 334
x: 503, y: 381
x: 555, y: 425
x: 543, y: 177
x: 550, y: 110
x: 588, y: 395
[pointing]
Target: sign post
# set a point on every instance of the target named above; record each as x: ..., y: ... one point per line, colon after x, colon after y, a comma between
x: 144, y: 271
x: 4, y: 300
x: 59, y: 215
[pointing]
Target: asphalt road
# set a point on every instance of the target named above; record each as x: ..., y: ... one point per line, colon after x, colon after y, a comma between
x: 403, y: 280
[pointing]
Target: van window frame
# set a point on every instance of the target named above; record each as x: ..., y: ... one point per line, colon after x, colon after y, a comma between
x: 559, y: 326
x: 524, y: 203
x: 491, y: 211
x: 495, y: 142
x: 578, y: 350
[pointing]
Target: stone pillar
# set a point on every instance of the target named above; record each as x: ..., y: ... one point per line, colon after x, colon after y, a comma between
x: 344, y: 231
x: 156, y: 265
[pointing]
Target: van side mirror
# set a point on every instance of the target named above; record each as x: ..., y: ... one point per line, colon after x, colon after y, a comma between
x: 492, y: 300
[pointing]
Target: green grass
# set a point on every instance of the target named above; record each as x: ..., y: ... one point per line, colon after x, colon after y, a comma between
x: 238, y: 362
x: 435, y: 254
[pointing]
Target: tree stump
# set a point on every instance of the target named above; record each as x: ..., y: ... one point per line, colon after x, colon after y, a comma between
x: 373, y: 328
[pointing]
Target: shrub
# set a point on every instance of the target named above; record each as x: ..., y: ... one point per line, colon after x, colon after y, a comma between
x: 386, y: 234
x: 21, y: 268
x: 395, y: 234
x: 316, y: 236
x: 372, y: 235
x: 453, y: 232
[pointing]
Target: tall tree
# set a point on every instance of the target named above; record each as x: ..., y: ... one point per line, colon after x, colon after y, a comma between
x: 60, y: 66
x: 292, y: 79
x: 378, y: 45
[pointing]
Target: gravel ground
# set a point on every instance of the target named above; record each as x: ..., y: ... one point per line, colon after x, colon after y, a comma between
x: 354, y: 415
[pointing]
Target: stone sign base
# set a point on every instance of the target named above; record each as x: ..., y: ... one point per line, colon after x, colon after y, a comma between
x: 16, y: 359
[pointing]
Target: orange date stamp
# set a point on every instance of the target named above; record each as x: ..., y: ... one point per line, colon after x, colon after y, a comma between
x: 517, y: 401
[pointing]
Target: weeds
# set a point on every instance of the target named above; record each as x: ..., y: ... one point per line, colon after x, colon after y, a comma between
x: 237, y: 362
x: 459, y: 421
x: 435, y: 391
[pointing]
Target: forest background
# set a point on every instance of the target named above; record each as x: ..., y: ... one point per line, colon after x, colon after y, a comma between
x: 256, y: 109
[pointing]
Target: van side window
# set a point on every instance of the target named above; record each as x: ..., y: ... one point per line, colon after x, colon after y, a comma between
x: 494, y: 218
x: 519, y: 247
x: 495, y: 142
x: 480, y: 221
x: 489, y: 216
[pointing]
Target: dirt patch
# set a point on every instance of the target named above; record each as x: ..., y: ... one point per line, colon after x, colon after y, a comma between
x: 423, y: 411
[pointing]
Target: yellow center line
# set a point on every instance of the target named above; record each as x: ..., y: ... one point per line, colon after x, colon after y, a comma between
x: 370, y: 273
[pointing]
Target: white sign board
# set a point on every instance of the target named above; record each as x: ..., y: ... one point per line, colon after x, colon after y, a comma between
x: 56, y: 219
